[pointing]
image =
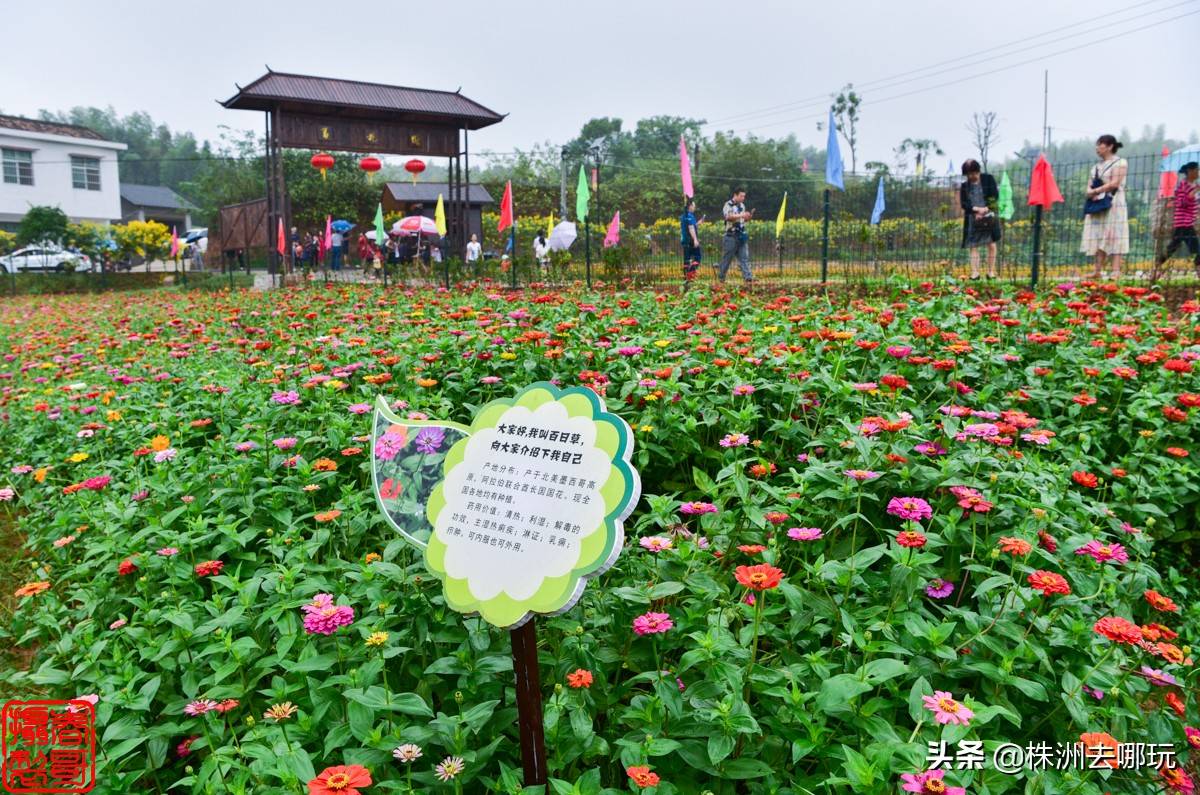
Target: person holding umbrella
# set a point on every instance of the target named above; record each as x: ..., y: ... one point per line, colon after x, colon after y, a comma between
x: 1184, y: 217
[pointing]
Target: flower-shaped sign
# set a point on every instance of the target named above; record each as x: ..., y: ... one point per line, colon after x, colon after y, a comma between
x: 517, y: 511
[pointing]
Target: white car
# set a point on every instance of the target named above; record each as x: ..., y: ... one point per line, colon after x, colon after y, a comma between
x: 44, y: 258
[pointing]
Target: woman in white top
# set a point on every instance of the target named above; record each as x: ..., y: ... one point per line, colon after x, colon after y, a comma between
x: 1106, y: 233
x: 541, y: 251
x: 474, y: 249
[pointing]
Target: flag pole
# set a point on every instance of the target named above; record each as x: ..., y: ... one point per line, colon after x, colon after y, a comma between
x: 587, y: 245
x: 825, y: 241
x: 513, y: 239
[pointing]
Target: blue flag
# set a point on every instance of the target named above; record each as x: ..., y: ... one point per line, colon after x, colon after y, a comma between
x: 833, y: 158
x: 880, y: 206
x: 950, y: 168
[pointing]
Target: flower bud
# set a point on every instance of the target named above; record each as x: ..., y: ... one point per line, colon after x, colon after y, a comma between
x: 458, y: 697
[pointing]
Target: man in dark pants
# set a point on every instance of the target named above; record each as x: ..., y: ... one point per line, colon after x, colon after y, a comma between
x: 736, y: 241
x: 1184, y: 219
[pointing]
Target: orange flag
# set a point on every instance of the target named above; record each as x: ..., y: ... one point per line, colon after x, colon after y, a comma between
x: 280, y: 246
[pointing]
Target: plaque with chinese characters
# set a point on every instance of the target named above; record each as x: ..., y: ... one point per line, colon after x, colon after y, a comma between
x: 516, y: 511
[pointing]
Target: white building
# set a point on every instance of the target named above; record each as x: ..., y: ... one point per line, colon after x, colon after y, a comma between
x: 58, y: 165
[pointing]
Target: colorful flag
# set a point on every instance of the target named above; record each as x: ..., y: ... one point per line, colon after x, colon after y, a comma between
x: 1006, y: 208
x: 328, y: 242
x: 880, y: 205
x: 582, y: 196
x: 685, y: 169
x: 613, y: 237
x: 1043, y: 190
x: 380, y: 234
x: 1169, y: 179
x: 439, y: 216
x: 506, y: 208
x: 280, y: 240
x: 174, y: 243
x: 833, y: 158
x: 779, y: 219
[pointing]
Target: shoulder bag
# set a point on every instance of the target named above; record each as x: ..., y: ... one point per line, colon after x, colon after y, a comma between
x: 1101, y: 204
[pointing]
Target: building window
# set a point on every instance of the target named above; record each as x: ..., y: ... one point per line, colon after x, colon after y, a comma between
x: 85, y: 172
x: 18, y: 166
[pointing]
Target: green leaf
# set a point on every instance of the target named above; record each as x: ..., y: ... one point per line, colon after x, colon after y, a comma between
x: 719, y: 747
x: 858, y: 769
x: 411, y: 704
x: 837, y: 692
x: 745, y: 768
x: 995, y: 581
x: 879, y: 671
x: 664, y: 589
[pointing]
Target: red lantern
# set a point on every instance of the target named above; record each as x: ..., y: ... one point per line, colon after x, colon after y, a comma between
x: 414, y: 167
x: 370, y: 165
x: 322, y: 161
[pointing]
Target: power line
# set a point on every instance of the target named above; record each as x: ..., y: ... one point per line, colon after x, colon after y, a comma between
x: 895, y: 80
x: 984, y: 74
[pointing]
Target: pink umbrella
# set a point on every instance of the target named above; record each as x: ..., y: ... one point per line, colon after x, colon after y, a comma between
x: 415, y: 225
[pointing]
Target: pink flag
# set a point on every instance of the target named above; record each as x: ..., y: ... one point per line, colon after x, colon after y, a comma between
x: 685, y: 169
x: 328, y: 232
x: 804, y: 166
x: 174, y: 243
x: 614, y: 231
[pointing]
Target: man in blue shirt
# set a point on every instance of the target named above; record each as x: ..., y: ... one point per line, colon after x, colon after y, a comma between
x: 690, y: 241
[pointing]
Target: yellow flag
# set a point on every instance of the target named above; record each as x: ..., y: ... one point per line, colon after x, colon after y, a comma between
x: 550, y: 225
x: 779, y: 220
x: 439, y: 217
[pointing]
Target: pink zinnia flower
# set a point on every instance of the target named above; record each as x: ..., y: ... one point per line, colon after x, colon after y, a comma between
x: 323, y: 617
x: 490, y: 379
x: 930, y: 448
x: 164, y: 455
x: 865, y: 386
x: 946, y: 710
x: 912, y: 509
x: 1158, y: 677
x: 1104, y: 553
x: 120, y: 622
x: 804, y: 533
x: 917, y: 782
x: 167, y: 552
x: 245, y: 447
x: 899, y: 351
x: 655, y: 543
x: 743, y: 389
x: 389, y: 445
x: 696, y: 508
x: 200, y: 706
x: 630, y: 350
x: 285, y: 442
x: 860, y: 474
x: 652, y: 623
x: 735, y: 440
x: 285, y: 398
x: 359, y: 408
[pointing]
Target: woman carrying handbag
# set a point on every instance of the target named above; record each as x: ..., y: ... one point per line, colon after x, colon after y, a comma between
x: 1106, y: 216
x: 979, y: 196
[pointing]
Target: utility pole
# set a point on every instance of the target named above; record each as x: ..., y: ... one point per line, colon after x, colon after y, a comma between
x: 562, y: 184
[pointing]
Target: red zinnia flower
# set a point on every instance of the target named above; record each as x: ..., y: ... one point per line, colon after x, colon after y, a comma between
x: 340, y: 780
x: 126, y: 566
x: 642, y: 776
x: 752, y: 549
x: 1153, y: 632
x: 1047, y: 541
x: 1015, y: 546
x: 209, y: 568
x: 762, y: 577
x: 896, y: 382
x: 1176, y: 703
x: 1049, y: 583
x: 910, y: 538
x: 1118, y: 629
x: 1177, y: 365
x: 1085, y: 479
x: 580, y: 677
x: 1160, y: 602
x: 1174, y: 415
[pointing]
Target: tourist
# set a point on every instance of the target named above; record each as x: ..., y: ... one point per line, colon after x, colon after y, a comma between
x: 474, y: 250
x: 197, y: 257
x: 366, y: 250
x: 1106, y: 219
x: 1184, y: 227
x: 737, y: 240
x: 690, y: 241
x: 979, y: 197
x: 541, y: 250
x: 335, y: 249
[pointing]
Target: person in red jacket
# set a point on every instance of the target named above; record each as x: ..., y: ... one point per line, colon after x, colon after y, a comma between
x: 1184, y: 234
x: 366, y: 251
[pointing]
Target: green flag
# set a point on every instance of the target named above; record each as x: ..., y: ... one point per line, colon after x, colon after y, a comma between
x: 380, y: 234
x: 1006, y: 203
x: 582, y: 195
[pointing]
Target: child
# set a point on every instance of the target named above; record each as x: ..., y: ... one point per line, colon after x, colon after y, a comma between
x: 1184, y: 233
x: 690, y: 242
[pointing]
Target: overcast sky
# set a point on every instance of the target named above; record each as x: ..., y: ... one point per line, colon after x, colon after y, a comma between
x: 552, y: 66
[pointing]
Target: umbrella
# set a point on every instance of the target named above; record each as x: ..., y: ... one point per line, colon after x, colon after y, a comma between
x: 1180, y: 156
x: 414, y: 225
x: 195, y: 235
x: 562, y: 237
x: 370, y: 235
x: 341, y: 226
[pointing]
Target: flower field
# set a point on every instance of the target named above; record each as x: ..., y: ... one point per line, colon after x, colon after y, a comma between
x: 866, y: 525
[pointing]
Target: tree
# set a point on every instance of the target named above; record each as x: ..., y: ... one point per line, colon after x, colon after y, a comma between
x: 921, y: 148
x: 89, y: 238
x: 149, y: 240
x: 42, y: 225
x: 8, y: 242
x: 985, y: 127
x: 877, y: 168
x: 845, y: 116
x: 658, y: 136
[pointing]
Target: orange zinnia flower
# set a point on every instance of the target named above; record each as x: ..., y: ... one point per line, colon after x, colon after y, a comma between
x: 1049, y: 583
x: 327, y: 516
x: 160, y: 443
x: 1160, y: 602
x: 1100, y: 746
x: 1015, y: 546
x: 762, y: 577
x: 324, y: 465
x: 580, y: 677
x: 1118, y: 629
x: 31, y: 589
x: 340, y: 780
x: 642, y: 776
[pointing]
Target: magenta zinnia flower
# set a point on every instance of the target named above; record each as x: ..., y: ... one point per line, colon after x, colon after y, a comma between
x: 913, y: 509
x: 200, y: 706
x: 946, y: 710
x: 1158, y: 677
x: 652, y: 623
x: 359, y: 408
x: 919, y: 783
x: 696, y: 508
x: 939, y: 588
x: 285, y: 398
x: 804, y: 533
x: 860, y: 474
x: 389, y: 445
x: 285, y: 442
x: 743, y: 389
x: 1104, y: 553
